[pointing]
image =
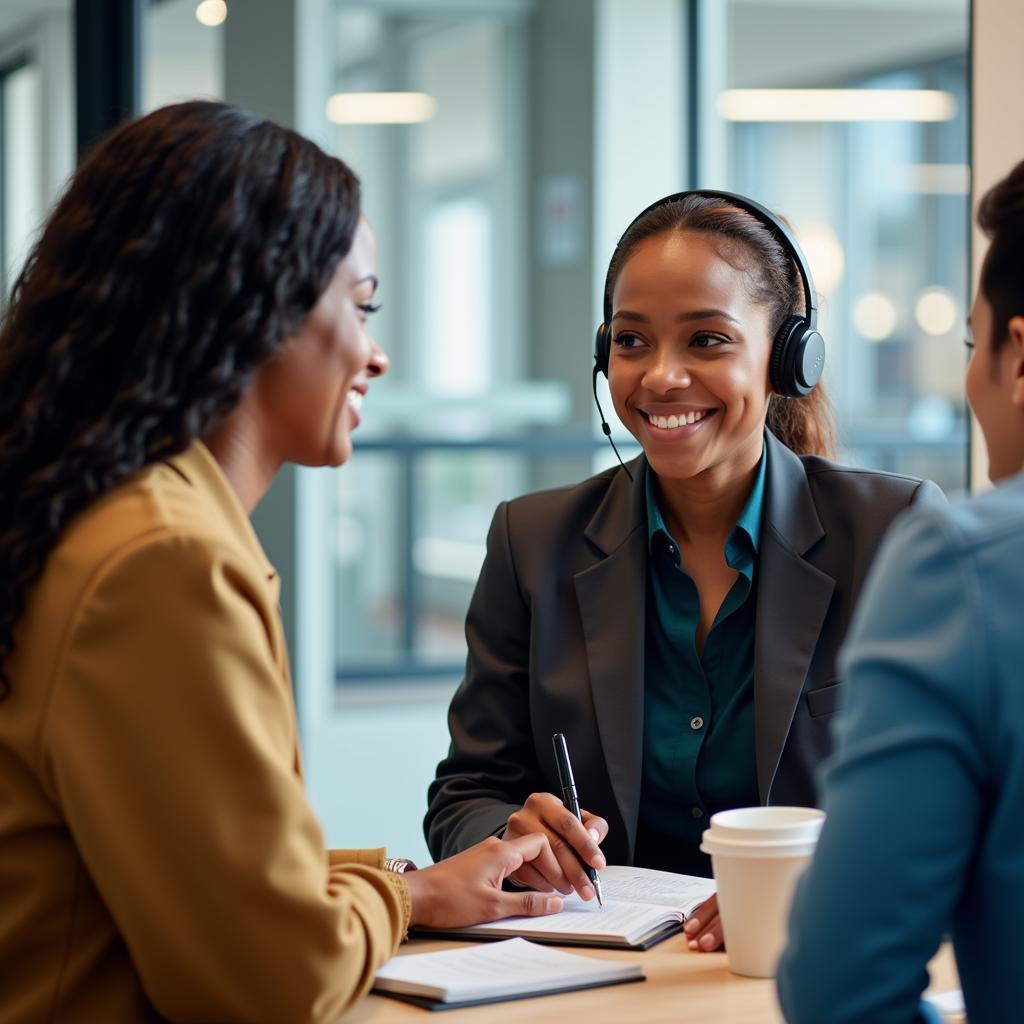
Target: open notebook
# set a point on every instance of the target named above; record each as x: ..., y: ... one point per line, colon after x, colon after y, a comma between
x: 641, y: 907
x: 514, y: 969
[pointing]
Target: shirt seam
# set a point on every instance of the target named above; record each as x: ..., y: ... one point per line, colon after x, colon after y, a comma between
x: 857, y: 471
x: 68, y: 943
x: 979, y: 639
x: 504, y: 510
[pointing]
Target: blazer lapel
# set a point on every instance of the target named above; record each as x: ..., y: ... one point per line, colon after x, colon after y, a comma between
x: 611, y: 595
x: 792, y: 600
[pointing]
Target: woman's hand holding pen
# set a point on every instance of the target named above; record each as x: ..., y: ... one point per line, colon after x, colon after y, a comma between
x: 570, y: 840
x: 466, y: 889
x: 704, y: 929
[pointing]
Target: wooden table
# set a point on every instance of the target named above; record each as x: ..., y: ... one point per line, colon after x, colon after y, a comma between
x: 682, y: 987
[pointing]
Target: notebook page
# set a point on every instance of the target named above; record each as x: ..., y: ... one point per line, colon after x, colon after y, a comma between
x: 949, y: 1004
x: 506, y: 968
x: 645, y: 885
x: 614, y: 921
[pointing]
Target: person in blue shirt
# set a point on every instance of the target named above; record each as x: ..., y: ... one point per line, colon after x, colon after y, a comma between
x: 678, y: 618
x: 924, y: 835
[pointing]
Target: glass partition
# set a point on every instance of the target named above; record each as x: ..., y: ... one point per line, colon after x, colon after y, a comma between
x: 182, y: 53
x: 21, y: 175
x: 444, y: 189
x: 542, y: 128
x: 862, y: 142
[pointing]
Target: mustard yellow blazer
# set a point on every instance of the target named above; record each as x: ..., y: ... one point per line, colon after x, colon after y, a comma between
x: 158, y: 855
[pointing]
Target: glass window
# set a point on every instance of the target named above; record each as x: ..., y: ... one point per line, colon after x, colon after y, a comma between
x: 541, y: 136
x: 457, y: 296
x: 21, y: 175
x: 182, y: 57
x: 448, y: 207
x: 875, y: 179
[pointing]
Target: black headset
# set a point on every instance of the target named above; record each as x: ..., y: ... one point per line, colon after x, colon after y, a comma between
x: 798, y: 350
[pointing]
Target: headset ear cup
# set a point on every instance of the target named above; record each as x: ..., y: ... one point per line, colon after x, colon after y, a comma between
x: 780, y: 368
x: 809, y: 361
x: 798, y: 358
x: 602, y: 349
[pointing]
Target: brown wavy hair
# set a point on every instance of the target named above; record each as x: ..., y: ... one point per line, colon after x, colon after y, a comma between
x: 188, y: 246
x: 805, y: 425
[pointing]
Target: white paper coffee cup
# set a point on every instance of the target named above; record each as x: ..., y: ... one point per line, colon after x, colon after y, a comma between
x: 757, y: 854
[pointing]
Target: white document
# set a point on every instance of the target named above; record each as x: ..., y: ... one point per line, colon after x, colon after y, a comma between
x: 663, y: 888
x: 949, y: 1004
x: 496, y: 970
x: 639, y: 903
x: 614, y: 922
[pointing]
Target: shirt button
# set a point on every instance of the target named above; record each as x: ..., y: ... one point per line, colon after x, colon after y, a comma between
x: 696, y: 723
x: 696, y: 812
x: 671, y: 549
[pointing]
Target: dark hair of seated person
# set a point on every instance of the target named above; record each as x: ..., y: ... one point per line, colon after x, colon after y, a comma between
x: 188, y: 246
x: 805, y: 425
x: 1001, y: 217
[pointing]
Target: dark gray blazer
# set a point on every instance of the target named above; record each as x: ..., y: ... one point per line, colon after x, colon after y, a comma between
x: 556, y: 643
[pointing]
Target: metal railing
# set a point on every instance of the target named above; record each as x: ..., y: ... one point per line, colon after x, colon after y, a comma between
x: 879, y: 451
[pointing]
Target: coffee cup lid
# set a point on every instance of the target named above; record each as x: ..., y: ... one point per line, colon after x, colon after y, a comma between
x: 763, y: 832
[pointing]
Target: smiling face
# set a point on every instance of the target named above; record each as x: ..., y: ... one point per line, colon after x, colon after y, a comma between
x: 688, y: 371
x: 315, y: 385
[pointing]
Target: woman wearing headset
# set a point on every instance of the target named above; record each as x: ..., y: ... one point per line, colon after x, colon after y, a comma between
x: 678, y: 619
x: 192, y: 318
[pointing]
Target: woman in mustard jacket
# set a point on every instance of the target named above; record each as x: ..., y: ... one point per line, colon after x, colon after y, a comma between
x: 192, y: 318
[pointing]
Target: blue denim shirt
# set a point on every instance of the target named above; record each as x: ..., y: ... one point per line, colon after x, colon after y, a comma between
x: 924, y: 797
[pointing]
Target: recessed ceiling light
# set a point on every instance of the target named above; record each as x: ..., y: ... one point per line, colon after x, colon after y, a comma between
x: 936, y: 311
x: 381, y: 107
x: 211, y: 13
x: 874, y: 316
x: 836, y: 105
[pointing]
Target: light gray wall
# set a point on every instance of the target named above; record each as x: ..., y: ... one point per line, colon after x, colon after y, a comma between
x: 260, y: 58
x: 260, y: 74
x: 561, y: 321
x: 275, y: 60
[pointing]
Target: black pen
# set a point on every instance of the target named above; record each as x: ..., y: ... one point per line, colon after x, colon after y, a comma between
x: 568, y: 784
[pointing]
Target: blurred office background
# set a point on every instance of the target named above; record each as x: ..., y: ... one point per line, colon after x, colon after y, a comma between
x: 530, y: 133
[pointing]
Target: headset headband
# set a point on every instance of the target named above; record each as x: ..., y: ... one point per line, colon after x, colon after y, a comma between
x: 778, y: 229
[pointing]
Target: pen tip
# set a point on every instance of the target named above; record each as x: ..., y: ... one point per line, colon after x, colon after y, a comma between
x: 597, y: 891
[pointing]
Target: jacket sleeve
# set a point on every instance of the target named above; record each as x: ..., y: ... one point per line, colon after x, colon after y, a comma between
x: 491, y: 767
x: 171, y: 748
x: 884, y: 882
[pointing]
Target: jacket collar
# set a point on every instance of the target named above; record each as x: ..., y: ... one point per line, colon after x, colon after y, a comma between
x: 789, y: 506
x: 622, y: 509
x: 793, y: 598
x: 202, y: 471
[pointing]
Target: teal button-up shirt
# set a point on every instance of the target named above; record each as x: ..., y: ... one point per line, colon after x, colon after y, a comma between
x: 698, y: 708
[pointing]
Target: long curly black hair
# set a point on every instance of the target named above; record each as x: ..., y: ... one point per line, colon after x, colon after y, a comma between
x: 188, y: 246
